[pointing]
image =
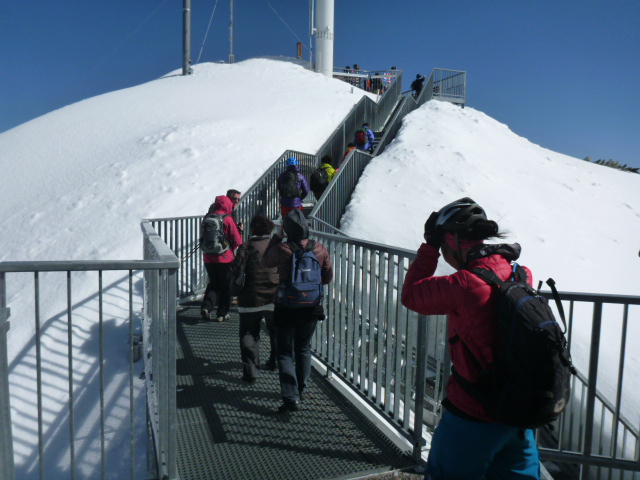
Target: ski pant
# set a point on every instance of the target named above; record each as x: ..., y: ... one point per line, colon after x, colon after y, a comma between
x: 293, y: 344
x: 284, y: 210
x: 466, y: 450
x: 219, y: 286
x: 250, y: 341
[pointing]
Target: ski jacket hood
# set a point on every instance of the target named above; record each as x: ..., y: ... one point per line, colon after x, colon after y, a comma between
x: 295, y: 226
x: 510, y: 252
x: 224, y: 206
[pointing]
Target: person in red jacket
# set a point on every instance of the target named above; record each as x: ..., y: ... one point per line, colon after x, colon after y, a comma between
x: 219, y: 266
x: 468, y: 444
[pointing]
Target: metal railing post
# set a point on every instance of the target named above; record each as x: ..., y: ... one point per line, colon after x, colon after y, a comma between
x: 421, y: 374
x: 171, y: 375
x: 591, y: 386
x: 6, y: 436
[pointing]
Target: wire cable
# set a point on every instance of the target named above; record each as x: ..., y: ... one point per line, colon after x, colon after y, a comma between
x: 135, y: 30
x: 207, y: 32
x: 285, y: 23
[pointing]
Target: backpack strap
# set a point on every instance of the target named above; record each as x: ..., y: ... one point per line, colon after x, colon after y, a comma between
x: 293, y: 246
x: 552, y: 284
x: 311, y: 244
x: 488, y: 276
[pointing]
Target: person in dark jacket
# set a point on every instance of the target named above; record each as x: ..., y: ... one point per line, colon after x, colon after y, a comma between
x: 255, y: 301
x: 290, y: 200
x: 417, y: 85
x: 326, y: 164
x: 235, y: 195
x: 294, y: 327
x: 218, y: 266
x: 468, y: 443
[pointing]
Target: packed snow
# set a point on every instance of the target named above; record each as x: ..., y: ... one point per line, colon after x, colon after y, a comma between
x: 576, y: 221
x: 77, y: 181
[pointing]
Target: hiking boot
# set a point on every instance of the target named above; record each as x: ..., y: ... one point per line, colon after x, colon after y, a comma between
x: 288, y: 407
x: 204, y: 314
x: 269, y: 365
x: 222, y: 318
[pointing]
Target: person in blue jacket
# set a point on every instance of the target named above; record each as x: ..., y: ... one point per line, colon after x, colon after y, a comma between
x: 370, y: 137
x: 292, y: 187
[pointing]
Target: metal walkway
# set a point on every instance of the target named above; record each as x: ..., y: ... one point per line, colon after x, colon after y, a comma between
x: 228, y: 429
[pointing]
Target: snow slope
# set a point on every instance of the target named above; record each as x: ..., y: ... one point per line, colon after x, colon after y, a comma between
x: 576, y: 221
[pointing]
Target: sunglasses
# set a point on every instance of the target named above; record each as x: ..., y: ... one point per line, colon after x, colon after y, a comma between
x: 235, y: 199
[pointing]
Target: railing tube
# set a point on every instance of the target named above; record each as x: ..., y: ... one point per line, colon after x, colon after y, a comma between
x: 421, y: 374
x: 6, y: 437
x: 591, y: 387
x: 172, y: 400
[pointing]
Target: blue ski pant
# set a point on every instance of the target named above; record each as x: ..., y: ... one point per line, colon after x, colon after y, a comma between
x: 466, y: 450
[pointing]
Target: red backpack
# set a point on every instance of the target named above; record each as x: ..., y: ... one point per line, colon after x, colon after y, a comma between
x: 361, y: 138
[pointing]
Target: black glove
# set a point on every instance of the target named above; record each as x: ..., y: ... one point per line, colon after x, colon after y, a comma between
x: 433, y: 235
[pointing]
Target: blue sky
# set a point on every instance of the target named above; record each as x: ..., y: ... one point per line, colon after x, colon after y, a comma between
x: 563, y: 74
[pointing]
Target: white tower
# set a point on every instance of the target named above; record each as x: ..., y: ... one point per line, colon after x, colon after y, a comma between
x: 324, y: 37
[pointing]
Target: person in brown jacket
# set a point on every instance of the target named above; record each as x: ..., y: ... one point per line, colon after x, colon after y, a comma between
x: 294, y: 326
x: 255, y: 301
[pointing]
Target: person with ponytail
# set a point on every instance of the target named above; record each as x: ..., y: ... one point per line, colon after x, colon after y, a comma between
x: 468, y: 444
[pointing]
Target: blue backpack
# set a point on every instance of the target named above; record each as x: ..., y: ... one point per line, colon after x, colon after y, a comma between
x: 303, y: 287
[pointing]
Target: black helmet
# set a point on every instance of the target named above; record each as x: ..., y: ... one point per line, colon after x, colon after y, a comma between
x: 418, y: 76
x: 460, y: 215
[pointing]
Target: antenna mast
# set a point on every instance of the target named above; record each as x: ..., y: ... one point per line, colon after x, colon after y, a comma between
x: 312, y: 31
x: 231, y: 58
x: 186, y: 38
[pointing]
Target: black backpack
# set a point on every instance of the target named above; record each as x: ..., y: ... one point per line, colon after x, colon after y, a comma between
x: 319, y: 179
x: 289, y: 187
x: 529, y: 384
x: 213, y: 240
x: 303, y: 286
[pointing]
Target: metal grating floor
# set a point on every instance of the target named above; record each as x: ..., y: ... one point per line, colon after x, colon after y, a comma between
x: 228, y: 429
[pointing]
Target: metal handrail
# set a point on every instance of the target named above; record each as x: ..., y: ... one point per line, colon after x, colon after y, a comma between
x: 593, y: 432
x: 370, y: 341
x: 262, y: 196
x: 375, y: 81
x: 159, y: 268
x: 329, y: 209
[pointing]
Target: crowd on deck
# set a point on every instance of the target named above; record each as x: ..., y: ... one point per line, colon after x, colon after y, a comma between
x: 279, y: 277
